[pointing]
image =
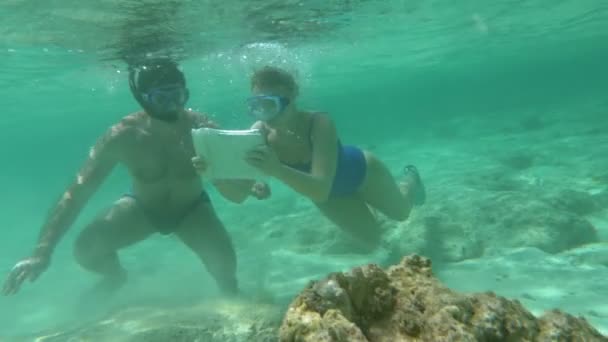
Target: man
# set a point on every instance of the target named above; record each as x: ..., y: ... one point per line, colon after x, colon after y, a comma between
x: 167, y: 196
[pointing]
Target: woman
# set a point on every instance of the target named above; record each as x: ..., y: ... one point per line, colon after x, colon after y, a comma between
x: 304, y: 152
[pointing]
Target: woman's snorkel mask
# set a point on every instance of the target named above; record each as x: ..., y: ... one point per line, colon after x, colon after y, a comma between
x: 160, y: 88
x: 267, y: 107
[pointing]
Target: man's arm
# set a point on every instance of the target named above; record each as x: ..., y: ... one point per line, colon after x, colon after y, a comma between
x: 100, y: 162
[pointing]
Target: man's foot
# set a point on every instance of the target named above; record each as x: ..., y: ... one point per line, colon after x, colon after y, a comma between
x: 103, y: 290
x: 110, y: 285
x: 98, y: 298
x: 415, y: 186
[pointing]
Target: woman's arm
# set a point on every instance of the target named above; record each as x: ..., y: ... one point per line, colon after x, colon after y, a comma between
x: 317, y: 184
x: 235, y: 191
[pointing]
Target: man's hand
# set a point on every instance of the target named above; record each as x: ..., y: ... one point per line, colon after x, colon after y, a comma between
x: 203, y: 120
x: 28, y: 268
x: 260, y: 190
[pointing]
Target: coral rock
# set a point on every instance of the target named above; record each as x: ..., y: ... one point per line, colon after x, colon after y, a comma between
x: 406, y: 303
x: 461, y: 230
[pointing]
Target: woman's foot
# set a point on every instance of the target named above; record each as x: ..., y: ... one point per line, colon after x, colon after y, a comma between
x: 413, y: 183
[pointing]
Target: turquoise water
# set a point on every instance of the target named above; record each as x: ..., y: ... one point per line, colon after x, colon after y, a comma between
x: 434, y: 83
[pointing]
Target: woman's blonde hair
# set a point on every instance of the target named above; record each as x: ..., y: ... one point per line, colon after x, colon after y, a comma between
x: 273, y: 77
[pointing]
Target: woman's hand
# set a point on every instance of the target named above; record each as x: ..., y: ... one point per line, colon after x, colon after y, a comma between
x: 200, y: 164
x: 264, y: 159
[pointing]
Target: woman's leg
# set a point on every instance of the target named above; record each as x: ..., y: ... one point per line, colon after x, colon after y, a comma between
x: 352, y: 215
x: 381, y: 191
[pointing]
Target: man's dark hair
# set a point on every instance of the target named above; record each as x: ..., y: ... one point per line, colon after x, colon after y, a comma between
x: 154, y: 72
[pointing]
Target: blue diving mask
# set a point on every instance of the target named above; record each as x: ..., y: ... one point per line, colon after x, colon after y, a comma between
x: 266, y: 107
x: 166, y: 98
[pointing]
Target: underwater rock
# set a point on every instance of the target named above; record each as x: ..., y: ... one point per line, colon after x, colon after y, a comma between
x: 498, y: 179
x: 448, y: 240
x: 600, y: 177
x: 532, y: 123
x: 577, y: 202
x: 517, y: 220
x: 519, y: 160
x: 407, y: 303
x: 601, y: 199
x: 467, y: 226
x: 596, y: 253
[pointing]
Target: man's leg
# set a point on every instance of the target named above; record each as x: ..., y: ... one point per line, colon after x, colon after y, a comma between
x: 122, y: 225
x: 203, y: 232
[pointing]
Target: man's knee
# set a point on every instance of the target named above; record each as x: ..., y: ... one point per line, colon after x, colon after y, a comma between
x: 95, y: 255
x: 82, y: 249
x: 89, y: 248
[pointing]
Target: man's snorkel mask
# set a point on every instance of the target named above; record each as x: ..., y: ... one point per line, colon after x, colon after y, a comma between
x: 160, y: 88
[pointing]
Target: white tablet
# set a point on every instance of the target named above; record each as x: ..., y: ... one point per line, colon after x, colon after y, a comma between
x: 224, y: 152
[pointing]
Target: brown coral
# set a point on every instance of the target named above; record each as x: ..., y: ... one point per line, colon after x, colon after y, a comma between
x: 406, y: 303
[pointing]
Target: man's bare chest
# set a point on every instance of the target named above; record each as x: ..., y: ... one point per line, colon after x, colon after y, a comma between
x: 151, y: 159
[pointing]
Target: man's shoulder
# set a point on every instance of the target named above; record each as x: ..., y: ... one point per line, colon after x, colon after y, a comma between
x: 125, y: 127
x: 133, y: 120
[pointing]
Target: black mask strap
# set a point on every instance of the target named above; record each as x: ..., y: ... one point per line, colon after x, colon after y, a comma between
x: 133, y: 75
x: 133, y: 84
